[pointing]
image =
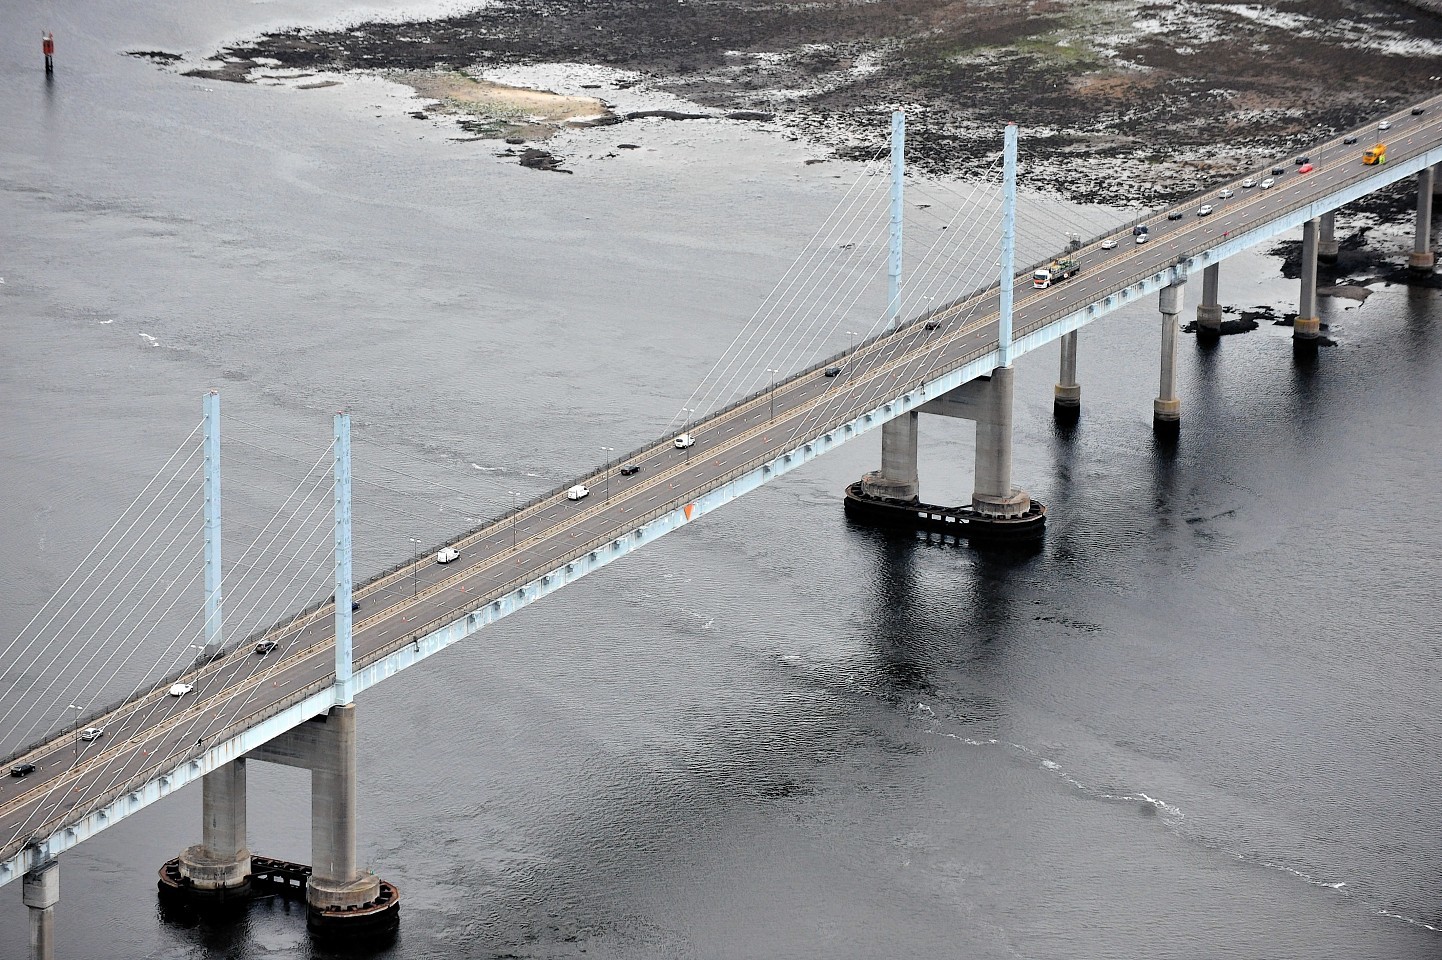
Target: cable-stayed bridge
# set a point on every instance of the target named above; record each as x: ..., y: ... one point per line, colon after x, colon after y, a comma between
x: 294, y: 703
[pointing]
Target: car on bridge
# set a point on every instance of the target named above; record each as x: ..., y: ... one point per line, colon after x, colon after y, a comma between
x: 1225, y: 193
x: 1301, y: 160
x: 1175, y: 215
x: 92, y: 733
x: 1278, y: 171
x: 1268, y: 183
x: 1205, y: 210
x: 180, y: 689
x: 578, y: 492
x: 1349, y: 140
x: 447, y: 554
x: 831, y: 371
x: 1418, y: 111
x: 684, y: 441
x: 22, y: 769
x: 1110, y: 243
x: 1305, y: 168
x: 264, y: 647
x: 630, y: 469
x: 1248, y: 183
x: 1385, y: 125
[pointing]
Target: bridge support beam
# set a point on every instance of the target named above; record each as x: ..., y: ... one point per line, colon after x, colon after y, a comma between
x: 40, y: 889
x: 1166, y: 408
x: 1422, y: 257
x: 1066, y: 403
x: 336, y: 883
x: 897, y: 479
x: 1308, y: 326
x: 1209, y: 311
x: 219, y: 866
x: 1327, y: 243
x: 993, y: 496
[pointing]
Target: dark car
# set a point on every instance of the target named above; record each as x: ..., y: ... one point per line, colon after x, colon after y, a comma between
x: 264, y: 647
x: 1349, y: 139
x: 1175, y: 215
x: 932, y: 324
x: 1301, y: 160
x: 832, y: 371
x: 1278, y: 171
x: 630, y: 469
x: 1139, y: 229
x: 1417, y: 111
x: 22, y: 769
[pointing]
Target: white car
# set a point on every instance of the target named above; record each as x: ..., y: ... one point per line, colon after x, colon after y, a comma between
x: 684, y: 441
x: 1205, y: 210
x: 180, y: 689
x: 1385, y: 125
x: 1267, y: 183
x: 1143, y: 237
x: 578, y: 491
x: 92, y: 733
x: 447, y: 554
x: 1248, y: 183
x: 1224, y: 194
x: 1110, y: 243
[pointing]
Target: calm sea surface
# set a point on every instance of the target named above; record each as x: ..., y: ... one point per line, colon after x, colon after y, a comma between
x: 1201, y: 722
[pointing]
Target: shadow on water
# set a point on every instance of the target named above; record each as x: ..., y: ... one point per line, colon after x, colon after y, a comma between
x: 228, y: 930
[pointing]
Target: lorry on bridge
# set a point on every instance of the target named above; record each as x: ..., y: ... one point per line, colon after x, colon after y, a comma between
x: 1054, y: 272
x: 1375, y: 154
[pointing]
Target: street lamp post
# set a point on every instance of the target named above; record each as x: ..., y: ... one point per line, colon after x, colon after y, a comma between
x: 513, y: 518
x: 608, y: 451
x: 689, y: 411
x: 415, y: 568
x: 75, y: 728
x: 774, y: 384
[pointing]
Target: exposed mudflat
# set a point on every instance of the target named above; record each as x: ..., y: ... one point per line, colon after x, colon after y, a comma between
x: 1119, y: 101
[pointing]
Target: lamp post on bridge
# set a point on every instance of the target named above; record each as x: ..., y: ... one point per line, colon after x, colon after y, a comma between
x: 607, y: 475
x: 415, y: 568
x: 513, y: 518
x: 775, y: 382
x: 75, y: 729
x: 689, y: 411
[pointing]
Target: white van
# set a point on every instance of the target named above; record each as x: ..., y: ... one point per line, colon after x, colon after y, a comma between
x: 578, y: 491
x: 447, y: 554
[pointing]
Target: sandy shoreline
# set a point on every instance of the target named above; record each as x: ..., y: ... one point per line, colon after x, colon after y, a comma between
x: 494, y: 110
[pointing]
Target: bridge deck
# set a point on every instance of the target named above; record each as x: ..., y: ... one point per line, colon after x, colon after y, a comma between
x: 157, y: 743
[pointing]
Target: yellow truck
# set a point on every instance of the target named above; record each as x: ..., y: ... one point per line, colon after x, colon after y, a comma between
x: 1377, y: 153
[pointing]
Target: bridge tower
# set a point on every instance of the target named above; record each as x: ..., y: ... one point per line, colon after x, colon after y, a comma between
x: 998, y: 511
x: 343, y: 900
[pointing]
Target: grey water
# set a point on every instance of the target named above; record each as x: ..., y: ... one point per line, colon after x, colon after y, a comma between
x: 1201, y: 721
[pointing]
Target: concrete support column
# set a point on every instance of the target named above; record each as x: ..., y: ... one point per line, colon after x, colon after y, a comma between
x: 1066, y: 404
x: 1166, y: 408
x: 1209, y: 311
x: 1422, y: 257
x: 336, y: 882
x: 220, y: 863
x: 1327, y: 243
x: 1308, y: 326
x: 40, y: 889
x: 993, y: 495
x: 897, y: 477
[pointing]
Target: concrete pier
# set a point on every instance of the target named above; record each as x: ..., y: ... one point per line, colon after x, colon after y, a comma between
x: 1307, y: 327
x: 993, y: 496
x: 220, y: 864
x: 40, y: 889
x: 1166, y: 408
x: 1422, y: 259
x: 1209, y: 311
x: 1327, y: 242
x: 1066, y: 405
x: 336, y: 883
x: 897, y: 479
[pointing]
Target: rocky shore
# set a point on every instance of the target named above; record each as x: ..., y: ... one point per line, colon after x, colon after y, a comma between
x: 1125, y: 102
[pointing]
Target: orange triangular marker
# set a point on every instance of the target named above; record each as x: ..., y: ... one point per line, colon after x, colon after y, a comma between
x: 688, y: 508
